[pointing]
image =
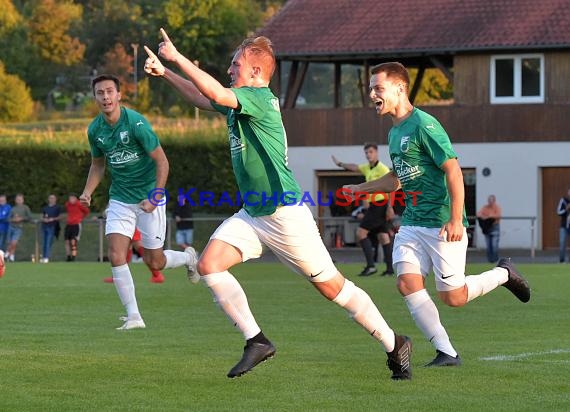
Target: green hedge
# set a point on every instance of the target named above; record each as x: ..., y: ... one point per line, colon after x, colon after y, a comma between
x: 40, y: 170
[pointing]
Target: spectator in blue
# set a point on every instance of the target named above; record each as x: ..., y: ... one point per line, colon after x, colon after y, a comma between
x: 5, y: 209
x: 50, y: 224
x: 563, y: 211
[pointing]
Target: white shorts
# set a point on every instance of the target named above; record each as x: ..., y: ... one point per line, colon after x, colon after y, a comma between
x: 420, y: 249
x: 122, y: 218
x: 291, y: 233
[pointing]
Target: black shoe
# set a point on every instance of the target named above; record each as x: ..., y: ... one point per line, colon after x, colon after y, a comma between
x: 399, y: 359
x: 253, y: 354
x: 68, y: 259
x: 443, y: 359
x: 387, y: 273
x: 368, y: 270
x: 516, y: 283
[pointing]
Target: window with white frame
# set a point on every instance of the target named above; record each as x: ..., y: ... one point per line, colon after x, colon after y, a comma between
x: 517, y: 78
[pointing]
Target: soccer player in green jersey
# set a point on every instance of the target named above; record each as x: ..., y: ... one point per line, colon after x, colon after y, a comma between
x: 432, y: 234
x: 123, y: 140
x: 258, y: 147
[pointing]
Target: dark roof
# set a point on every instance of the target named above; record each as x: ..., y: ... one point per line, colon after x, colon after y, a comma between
x: 408, y: 27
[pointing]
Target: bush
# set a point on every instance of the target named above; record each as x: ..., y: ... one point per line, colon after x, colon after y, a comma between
x: 38, y: 170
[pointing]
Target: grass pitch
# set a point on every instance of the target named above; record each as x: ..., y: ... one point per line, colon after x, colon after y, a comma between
x: 59, y: 350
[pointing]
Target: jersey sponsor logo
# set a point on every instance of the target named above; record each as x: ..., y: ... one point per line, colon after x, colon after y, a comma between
x: 124, y: 136
x: 236, y: 144
x: 446, y: 277
x: 405, y: 144
x: 101, y: 139
x: 122, y: 157
x: 406, y: 171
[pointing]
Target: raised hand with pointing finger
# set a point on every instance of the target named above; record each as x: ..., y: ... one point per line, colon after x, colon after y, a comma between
x: 152, y: 64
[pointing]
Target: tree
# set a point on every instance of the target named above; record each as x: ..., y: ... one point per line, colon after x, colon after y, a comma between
x: 49, y: 25
x: 119, y: 63
x: 209, y: 30
x: 16, y: 104
x: 9, y: 16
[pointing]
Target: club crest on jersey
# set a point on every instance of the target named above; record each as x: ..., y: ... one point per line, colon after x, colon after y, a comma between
x: 405, y: 144
x: 124, y: 136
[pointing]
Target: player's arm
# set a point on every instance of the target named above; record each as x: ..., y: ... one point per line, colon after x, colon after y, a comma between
x: 206, y: 84
x: 96, y: 173
x: 187, y: 89
x: 162, y: 168
x: 454, y: 179
x: 348, y: 166
x: 385, y: 184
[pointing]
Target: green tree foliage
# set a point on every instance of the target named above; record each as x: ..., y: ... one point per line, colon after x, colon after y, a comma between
x: 49, y: 25
x: 16, y: 102
x: 209, y: 30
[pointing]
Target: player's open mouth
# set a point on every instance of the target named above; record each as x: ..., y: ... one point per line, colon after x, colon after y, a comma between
x: 379, y: 104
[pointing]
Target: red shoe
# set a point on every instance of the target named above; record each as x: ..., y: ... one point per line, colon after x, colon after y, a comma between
x: 2, y: 265
x: 108, y: 280
x: 157, y: 278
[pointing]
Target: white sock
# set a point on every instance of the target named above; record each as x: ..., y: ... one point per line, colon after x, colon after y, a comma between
x: 478, y: 285
x: 175, y: 259
x: 125, y: 286
x: 425, y: 314
x: 230, y: 297
x: 364, y: 312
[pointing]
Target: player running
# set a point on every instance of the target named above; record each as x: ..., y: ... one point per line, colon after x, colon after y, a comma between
x: 258, y: 147
x: 124, y: 140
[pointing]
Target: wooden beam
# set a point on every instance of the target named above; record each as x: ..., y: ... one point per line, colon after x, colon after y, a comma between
x: 417, y: 82
x: 443, y: 68
x: 296, y: 79
x: 337, y: 85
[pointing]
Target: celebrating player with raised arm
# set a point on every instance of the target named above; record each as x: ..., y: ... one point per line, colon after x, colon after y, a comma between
x: 258, y: 147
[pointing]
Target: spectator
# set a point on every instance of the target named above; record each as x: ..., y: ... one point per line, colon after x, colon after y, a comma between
x: 19, y: 214
x: 563, y: 211
x: 184, y: 225
x: 50, y: 223
x: 489, y: 217
x: 5, y: 209
x: 76, y: 212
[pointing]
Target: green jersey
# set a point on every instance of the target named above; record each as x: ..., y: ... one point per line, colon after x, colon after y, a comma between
x: 418, y: 148
x: 258, y: 147
x: 126, y: 147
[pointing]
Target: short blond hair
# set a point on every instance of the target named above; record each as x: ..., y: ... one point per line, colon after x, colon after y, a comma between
x: 260, y: 50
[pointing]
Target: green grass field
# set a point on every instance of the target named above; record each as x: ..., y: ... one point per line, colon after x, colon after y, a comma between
x: 59, y: 350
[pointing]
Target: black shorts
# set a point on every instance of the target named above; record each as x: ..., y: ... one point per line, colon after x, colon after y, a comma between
x: 374, y: 219
x: 71, y: 232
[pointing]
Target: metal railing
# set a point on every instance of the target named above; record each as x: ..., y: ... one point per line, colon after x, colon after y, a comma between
x: 329, y: 226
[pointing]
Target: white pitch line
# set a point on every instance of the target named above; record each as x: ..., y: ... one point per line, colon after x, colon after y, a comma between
x: 523, y: 355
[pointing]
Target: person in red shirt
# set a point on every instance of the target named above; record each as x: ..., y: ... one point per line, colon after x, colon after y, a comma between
x: 76, y: 212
